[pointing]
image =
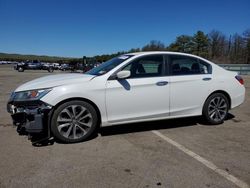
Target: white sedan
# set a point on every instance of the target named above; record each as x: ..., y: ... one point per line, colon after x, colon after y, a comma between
x: 134, y: 87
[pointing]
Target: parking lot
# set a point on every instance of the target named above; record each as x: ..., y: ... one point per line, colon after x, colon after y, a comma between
x: 171, y: 153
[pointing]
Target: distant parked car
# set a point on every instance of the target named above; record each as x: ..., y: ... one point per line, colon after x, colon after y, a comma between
x: 3, y: 62
x: 90, y: 66
x: 65, y: 67
x: 48, y: 66
x: 32, y: 65
x: 56, y: 66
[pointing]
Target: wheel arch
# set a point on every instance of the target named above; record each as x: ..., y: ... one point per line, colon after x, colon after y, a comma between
x: 80, y: 99
x: 222, y: 92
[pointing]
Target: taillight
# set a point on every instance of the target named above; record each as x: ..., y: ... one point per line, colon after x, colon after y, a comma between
x: 240, y: 79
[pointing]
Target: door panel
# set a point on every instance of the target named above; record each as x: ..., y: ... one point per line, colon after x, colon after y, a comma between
x: 190, y: 83
x: 144, y: 95
x: 138, y: 98
x: 187, y: 94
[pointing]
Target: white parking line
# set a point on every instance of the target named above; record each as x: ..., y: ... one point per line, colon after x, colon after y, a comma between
x: 205, y: 162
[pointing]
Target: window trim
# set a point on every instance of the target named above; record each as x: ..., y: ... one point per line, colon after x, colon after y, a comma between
x: 210, y: 68
x: 167, y: 65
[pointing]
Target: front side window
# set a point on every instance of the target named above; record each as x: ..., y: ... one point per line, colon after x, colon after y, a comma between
x: 183, y: 65
x: 147, y: 66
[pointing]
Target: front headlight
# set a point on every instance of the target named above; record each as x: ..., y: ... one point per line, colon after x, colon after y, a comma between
x: 30, y: 95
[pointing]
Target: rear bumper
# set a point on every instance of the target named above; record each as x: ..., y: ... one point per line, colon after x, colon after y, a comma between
x: 31, y: 118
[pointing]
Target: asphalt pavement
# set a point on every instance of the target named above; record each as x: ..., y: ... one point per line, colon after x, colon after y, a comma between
x: 170, y: 153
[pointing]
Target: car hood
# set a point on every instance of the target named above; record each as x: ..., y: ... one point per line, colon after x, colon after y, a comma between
x: 54, y: 80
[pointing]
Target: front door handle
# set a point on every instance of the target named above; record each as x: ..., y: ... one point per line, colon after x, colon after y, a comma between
x: 162, y: 83
x: 207, y: 79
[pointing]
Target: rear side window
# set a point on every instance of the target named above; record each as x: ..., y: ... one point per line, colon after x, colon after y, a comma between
x: 183, y: 65
x: 147, y: 66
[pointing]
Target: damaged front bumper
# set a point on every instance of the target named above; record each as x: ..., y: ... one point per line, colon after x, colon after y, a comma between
x: 29, y: 116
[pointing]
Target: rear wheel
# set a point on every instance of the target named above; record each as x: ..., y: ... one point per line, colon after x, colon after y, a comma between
x: 216, y: 108
x: 74, y: 121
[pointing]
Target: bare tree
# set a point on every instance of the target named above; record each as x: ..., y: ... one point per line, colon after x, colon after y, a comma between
x: 237, y: 50
x: 246, y: 36
x: 217, y: 41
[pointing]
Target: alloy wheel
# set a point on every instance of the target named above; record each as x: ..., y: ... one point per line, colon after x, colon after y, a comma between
x: 74, y: 122
x: 217, y: 109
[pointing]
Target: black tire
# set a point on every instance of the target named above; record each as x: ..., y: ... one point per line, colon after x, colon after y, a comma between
x: 57, y: 114
x: 20, y: 69
x: 215, y: 115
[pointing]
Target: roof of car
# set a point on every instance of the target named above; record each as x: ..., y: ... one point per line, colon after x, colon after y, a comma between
x: 164, y: 52
x: 158, y: 52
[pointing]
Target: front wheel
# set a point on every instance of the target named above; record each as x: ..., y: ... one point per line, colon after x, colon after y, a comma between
x: 216, y: 108
x: 74, y: 121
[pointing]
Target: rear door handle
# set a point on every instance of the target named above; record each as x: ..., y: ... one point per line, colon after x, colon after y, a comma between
x: 162, y: 83
x: 207, y: 79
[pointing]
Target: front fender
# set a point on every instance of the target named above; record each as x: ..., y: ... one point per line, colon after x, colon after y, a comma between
x: 94, y: 94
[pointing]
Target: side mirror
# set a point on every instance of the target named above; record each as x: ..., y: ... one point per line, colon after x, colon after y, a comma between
x: 123, y: 74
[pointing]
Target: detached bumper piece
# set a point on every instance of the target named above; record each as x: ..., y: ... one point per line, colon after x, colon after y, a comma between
x: 29, y: 117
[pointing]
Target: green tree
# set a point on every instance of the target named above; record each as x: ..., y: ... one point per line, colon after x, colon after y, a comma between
x: 200, y: 44
x: 134, y: 50
x: 182, y: 43
x: 154, y: 45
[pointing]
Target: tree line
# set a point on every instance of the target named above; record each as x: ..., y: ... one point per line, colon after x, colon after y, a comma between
x: 19, y: 58
x: 215, y: 46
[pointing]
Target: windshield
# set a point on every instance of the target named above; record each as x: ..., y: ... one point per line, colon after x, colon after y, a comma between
x: 108, y: 65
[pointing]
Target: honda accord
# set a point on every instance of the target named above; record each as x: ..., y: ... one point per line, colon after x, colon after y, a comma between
x: 134, y: 87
